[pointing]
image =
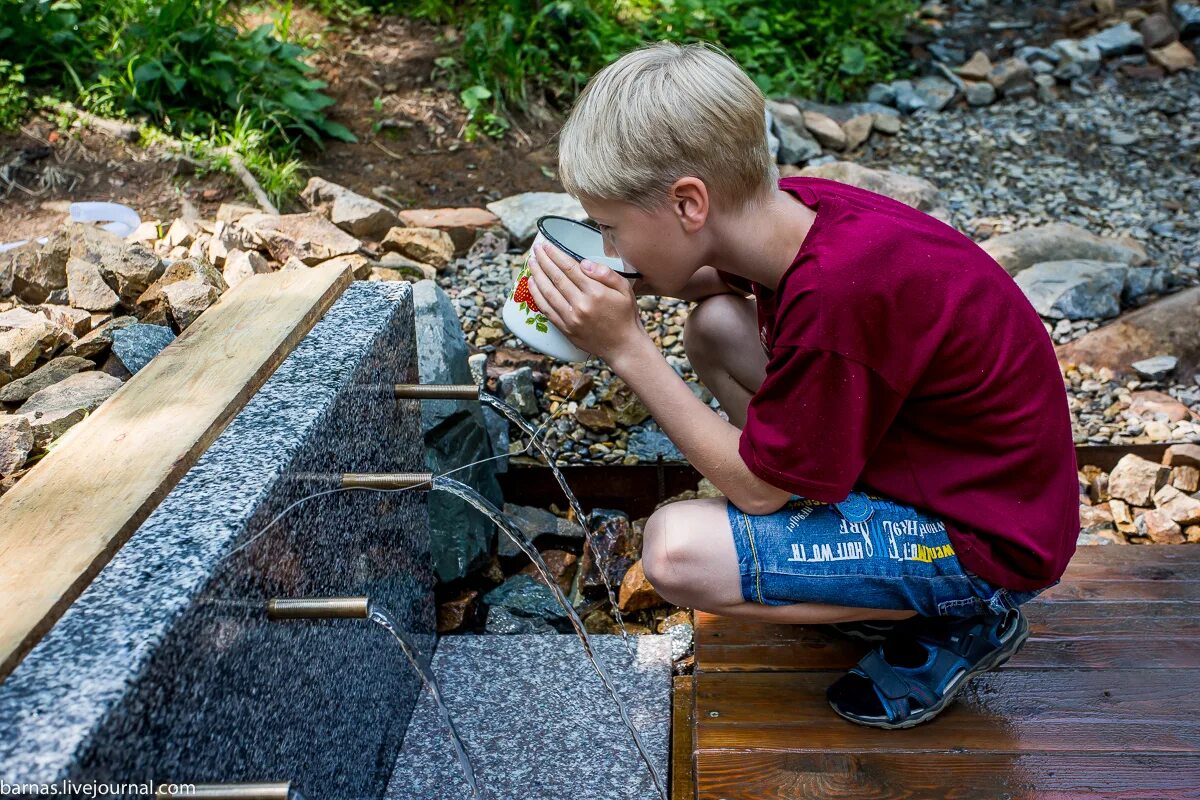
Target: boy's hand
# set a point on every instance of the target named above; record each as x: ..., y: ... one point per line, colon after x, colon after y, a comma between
x: 591, y: 304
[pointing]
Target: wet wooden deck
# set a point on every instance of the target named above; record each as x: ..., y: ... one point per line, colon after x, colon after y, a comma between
x: 1102, y: 701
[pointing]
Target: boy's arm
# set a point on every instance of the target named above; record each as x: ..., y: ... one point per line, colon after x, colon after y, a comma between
x: 705, y: 283
x: 707, y: 441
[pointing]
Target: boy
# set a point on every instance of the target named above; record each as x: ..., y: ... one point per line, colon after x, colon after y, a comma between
x: 898, y: 457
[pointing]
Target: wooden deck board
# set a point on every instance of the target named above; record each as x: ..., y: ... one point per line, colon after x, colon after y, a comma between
x: 64, y: 520
x: 1100, y: 703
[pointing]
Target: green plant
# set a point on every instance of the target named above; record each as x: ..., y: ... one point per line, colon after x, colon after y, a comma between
x: 14, y: 101
x: 480, y: 119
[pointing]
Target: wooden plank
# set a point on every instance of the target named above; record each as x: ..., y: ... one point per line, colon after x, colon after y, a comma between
x: 64, y: 520
x: 683, y: 783
x: 1006, y: 711
x: 976, y: 775
x: 1088, y: 591
x: 1137, y: 554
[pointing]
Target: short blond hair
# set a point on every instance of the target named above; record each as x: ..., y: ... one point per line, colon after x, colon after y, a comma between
x: 663, y: 112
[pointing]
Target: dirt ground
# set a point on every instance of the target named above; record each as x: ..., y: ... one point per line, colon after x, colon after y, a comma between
x: 409, y: 148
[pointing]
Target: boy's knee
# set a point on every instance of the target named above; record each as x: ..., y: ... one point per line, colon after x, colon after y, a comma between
x: 702, y: 333
x: 663, y: 553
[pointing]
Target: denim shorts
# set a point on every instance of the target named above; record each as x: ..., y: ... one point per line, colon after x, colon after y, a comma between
x: 865, y: 552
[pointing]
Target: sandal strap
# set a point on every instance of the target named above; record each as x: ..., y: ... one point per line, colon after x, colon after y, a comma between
x: 889, y: 682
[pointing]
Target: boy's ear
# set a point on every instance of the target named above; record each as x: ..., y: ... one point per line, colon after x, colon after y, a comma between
x: 690, y: 202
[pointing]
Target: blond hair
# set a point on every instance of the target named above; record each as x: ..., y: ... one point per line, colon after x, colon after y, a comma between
x: 663, y: 112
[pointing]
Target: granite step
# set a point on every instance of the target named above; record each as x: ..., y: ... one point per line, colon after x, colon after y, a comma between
x: 537, y: 722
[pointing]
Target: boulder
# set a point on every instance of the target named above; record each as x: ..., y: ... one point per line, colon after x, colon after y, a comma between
x: 637, y: 593
x: 916, y: 192
x: 462, y: 225
x: 907, y: 98
x: 1164, y: 326
x: 1157, y: 30
x: 1116, y: 41
x: 46, y: 375
x: 1158, y: 526
x: 977, y: 68
x: 241, y: 264
x: 453, y: 613
x: 204, y: 284
x: 825, y: 129
x: 981, y: 94
x: 1135, y: 480
x: 1178, y: 506
x: 128, y: 267
x: 135, y: 345
x: 516, y: 389
x: 858, y: 130
x: 97, y: 342
x: 86, y: 289
x: 597, y: 418
x: 536, y: 524
x: 56, y: 408
x: 309, y: 237
x: 1078, y: 59
x: 16, y: 442
x: 35, y: 271
x: 561, y: 565
x: 1155, y: 369
x: 1143, y: 282
x: 519, y: 213
x: 426, y: 245
x: 357, y: 215
x: 1059, y: 241
x: 227, y: 238
x: 650, y: 445
x: 526, y: 598
x: 796, y: 144
x: 1182, y: 455
x: 613, y: 546
x: 937, y: 92
x: 76, y: 320
x: 26, y: 338
x: 569, y: 383
x: 1174, y: 57
x: 1074, y: 289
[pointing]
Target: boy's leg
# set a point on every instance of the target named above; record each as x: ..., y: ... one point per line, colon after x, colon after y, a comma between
x: 721, y: 340
x: 689, y: 557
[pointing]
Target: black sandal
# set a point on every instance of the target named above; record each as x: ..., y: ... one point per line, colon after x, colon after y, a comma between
x: 888, y: 695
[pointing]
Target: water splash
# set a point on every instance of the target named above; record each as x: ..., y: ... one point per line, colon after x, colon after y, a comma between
x: 381, y: 616
x: 514, y: 416
x: 506, y: 526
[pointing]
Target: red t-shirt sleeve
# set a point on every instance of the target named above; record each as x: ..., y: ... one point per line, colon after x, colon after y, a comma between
x: 814, y: 422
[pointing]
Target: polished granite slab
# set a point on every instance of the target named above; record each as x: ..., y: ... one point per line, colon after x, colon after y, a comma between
x: 166, y: 667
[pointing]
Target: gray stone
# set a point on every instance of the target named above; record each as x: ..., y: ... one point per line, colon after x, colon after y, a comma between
x: 503, y: 622
x: 16, y: 442
x: 845, y: 112
x: 648, y: 445
x: 907, y: 99
x: 796, y: 144
x: 882, y: 93
x: 357, y: 215
x: 37, y: 270
x: 51, y: 411
x: 516, y: 388
x: 981, y: 94
x: 772, y: 139
x: 527, y: 597
x: 1141, y: 282
x: 137, y: 344
x: 519, y: 212
x: 86, y: 289
x: 537, y: 721
x: 1155, y: 369
x: 1189, y: 19
x: 536, y: 523
x: 242, y: 264
x: 188, y: 300
x: 886, y: 123
x: 937, y: 92
x: 1157, y: 31
x: 1074, y: 289
x: 455, y: 434
x: 1116, y: 41
x: 25, y: 338
x: 1059, y: 241
x: 45, y: 375
x: 1079, y: 59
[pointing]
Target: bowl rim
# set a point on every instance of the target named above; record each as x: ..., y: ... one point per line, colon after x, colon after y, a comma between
x: 569, y: 251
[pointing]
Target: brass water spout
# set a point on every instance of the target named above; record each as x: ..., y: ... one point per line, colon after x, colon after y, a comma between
x: 226, y: 791
x: 385, y: 480
x: 436, y: 391
x: 281, y: 608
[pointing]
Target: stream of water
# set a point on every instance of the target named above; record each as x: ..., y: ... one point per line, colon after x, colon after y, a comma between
x: 380, y: 615
x: 506, y: 526
x: 514, y: 416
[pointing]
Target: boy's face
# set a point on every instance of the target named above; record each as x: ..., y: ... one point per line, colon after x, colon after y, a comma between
x: 657, y: 245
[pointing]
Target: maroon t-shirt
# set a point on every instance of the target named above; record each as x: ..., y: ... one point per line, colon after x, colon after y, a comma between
x: 905, y: 361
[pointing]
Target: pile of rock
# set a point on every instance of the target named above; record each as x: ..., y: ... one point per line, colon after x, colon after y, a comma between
x: 1145, y: 410
x: 1140, y: 43
x: 1141, y: 502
